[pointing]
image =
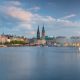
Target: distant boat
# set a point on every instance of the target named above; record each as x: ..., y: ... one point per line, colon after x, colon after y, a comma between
x: 79, y: 48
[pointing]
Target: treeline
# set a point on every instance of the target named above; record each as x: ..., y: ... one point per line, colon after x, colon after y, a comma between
x: 15, y: 42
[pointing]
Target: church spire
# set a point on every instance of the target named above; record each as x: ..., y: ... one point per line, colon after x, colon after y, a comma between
x: 38, y: 33
x: 43, y: 32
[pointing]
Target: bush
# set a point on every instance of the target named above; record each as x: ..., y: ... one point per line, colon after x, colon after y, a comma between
x: 17, y: 42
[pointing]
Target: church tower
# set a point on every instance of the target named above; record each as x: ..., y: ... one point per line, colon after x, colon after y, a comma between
x: 38, y: 33
x: 43, y: 32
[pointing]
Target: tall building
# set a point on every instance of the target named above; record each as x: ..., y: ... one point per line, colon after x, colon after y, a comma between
x: 41, y: 40
x: 43, y: 32
x: 38, y: 33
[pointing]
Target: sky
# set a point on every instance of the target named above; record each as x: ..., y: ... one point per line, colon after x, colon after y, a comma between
x: 22, y: 17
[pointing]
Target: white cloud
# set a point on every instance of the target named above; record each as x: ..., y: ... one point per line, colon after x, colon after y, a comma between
x: 25, y: 25
x: 69, y: 16
x: 36, y: 8
x: 19, y: 13
x: 10, y: 3
x: 44, y: 19
x: 67, y: 23
x: 16, y: 3
x: 28, y: 19
x: 32, y: 32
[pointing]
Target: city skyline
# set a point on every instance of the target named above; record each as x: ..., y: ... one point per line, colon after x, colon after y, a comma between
x: 22, y: 17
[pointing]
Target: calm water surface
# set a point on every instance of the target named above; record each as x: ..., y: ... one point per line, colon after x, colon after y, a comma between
x: 40, y: 63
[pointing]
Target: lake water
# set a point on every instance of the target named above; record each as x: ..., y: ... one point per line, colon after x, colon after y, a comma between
x: 40, y: 63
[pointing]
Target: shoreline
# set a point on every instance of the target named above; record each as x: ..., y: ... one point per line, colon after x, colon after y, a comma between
x: 4, y: 46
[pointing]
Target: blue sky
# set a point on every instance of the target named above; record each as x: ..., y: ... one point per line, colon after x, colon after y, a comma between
x: 22, y: 17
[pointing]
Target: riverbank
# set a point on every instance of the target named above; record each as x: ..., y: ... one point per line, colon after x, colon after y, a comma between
x: 19, y: 45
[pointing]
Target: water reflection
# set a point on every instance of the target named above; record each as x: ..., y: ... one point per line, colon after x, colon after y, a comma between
x: 40, y: 63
